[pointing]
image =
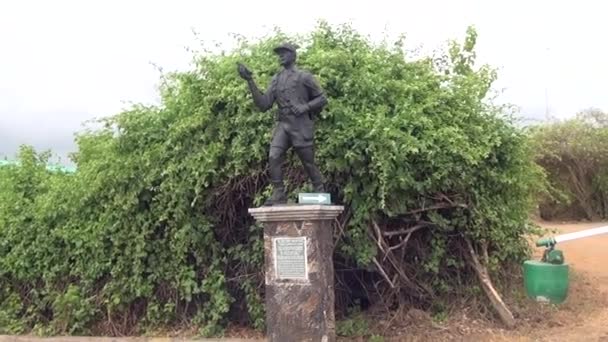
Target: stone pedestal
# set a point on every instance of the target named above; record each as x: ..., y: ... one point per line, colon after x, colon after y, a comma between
x: 298, y: 244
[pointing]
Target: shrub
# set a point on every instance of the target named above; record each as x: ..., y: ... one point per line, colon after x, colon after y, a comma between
x: 153, y: 227
x: 574, y: 154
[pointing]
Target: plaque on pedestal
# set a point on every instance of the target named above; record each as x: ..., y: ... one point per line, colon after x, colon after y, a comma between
x: 290, y: 258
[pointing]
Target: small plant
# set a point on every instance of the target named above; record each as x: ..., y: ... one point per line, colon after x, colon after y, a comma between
x: 440, y: 316
x: 10, y: 312
x: 71, y: 312
x: 355, y: 325
x: 376, y: 338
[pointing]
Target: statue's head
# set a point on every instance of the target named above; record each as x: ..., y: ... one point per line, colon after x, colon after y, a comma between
x: 286, y: 53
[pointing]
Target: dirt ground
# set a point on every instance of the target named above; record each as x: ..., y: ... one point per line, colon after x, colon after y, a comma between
x: 582, y: 317
x: 585, y: 315
x: 589, y: 257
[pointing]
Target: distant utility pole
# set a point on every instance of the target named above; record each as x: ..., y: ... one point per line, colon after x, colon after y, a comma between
x: 547, y: 83
x: 546, y: 103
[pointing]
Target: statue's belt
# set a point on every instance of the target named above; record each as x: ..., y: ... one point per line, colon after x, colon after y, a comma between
x: 285, y: 111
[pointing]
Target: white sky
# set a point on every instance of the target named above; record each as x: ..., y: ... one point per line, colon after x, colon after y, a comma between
x: 64, y: 62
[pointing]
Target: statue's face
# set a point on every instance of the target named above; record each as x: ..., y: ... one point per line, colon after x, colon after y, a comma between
x: 286, y: 57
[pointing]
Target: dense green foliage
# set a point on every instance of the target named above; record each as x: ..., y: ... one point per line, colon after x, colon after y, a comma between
x: 574, y: 153
x: 153, y: 227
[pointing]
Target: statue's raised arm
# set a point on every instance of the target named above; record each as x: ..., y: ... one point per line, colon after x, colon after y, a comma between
x: 263, y: 101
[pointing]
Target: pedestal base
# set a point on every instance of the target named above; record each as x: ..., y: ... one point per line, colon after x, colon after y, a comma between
x: 298, y: 244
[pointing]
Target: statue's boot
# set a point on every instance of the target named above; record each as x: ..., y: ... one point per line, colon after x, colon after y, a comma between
x: 278, y: 195
x: 318, y: 187
x: 276, y: 158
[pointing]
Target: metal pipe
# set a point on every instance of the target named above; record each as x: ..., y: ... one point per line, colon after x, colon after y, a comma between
x: 546, y: 242
x: 582, y: 234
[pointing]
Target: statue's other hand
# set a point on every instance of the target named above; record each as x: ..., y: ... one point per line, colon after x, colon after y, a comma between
x: 300, y: 109
x: 244, y: 72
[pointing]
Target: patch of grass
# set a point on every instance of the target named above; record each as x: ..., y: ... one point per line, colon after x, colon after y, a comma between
x: 376, y: 338
x: 354, y: 326
x: 440, y: 317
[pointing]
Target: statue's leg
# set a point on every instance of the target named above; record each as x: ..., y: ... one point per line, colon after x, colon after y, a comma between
x: 276, y: 157
x: 307, y: 156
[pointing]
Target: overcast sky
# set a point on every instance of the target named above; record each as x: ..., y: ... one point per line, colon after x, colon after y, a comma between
x: 65, y: 62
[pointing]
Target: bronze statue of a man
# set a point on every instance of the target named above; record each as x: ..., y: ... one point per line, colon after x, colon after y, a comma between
x: 299, y: 98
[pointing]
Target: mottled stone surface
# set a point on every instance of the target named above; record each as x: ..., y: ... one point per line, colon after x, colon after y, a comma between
x: 300, y: 309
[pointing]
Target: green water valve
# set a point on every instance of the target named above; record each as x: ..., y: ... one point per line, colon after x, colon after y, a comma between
x: 546, y: 242
x: 547, y: 280
x: 553, y: 256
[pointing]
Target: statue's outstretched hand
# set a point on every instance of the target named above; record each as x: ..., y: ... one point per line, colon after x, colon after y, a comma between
x: 244, y: 72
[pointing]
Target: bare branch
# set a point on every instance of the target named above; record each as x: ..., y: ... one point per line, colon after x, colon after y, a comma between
x: 406, y: 231
x: 484, y: 252
x: 379, y: 234
x: 407, y: 238
x: 486, y: 284
x: 383, y: 273
x: 437, y: 206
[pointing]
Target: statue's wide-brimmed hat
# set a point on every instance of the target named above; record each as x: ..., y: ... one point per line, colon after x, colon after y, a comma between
x: 286, y: 46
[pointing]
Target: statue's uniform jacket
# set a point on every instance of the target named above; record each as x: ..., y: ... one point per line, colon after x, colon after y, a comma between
x: 288, y: 88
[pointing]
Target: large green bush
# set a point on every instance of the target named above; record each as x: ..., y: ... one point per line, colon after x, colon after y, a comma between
x: 153, y: 227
